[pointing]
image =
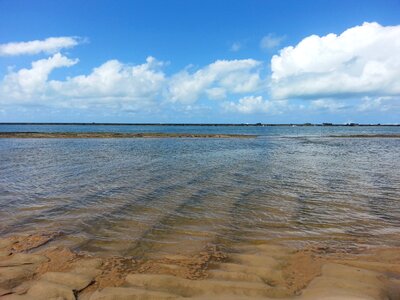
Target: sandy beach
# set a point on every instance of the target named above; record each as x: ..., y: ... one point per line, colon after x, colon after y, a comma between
x: 205, y: 150
x: 31, y: 267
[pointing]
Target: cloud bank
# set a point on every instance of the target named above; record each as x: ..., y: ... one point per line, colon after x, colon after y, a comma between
x: 326, y: 73
x: 111, y: 84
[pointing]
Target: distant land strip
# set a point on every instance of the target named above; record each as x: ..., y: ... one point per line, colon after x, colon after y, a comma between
x: 108, y: 135
x: 193, y: 124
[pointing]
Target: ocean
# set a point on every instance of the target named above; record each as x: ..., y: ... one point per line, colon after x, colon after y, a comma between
x: 148, y: 197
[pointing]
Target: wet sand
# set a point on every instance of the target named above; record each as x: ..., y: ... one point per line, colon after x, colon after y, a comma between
x: 109, y: 135
x: 35, y: 267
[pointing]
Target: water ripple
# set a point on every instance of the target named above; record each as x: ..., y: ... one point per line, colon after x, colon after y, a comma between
x: 152, y: 196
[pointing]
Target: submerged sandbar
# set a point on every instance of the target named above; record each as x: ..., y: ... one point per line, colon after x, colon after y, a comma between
x: 108, y: 135
x: 360, y: 136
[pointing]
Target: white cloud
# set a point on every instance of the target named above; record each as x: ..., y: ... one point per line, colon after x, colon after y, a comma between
x: 49, y: 46
x: 248, y: 105
x: 112, y: 84
x: 115, y: 80
x: 26, y: 84
x: 362, y: 61
x: 216, y: 81
x: 256, y: 104
x: 271, y: 41
x: 125, y: 87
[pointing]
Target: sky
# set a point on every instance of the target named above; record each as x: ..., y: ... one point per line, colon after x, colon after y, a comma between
x: 192, y: 61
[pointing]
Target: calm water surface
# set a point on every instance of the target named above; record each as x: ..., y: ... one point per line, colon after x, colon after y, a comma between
x: 147, y: 197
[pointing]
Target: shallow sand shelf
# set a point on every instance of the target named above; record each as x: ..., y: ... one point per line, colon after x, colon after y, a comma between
x: 32, y: 268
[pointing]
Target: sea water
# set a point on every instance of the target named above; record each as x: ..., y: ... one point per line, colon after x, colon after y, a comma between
x: 152, y: 196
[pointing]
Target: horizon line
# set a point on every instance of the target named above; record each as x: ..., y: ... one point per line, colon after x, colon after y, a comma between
x: 198, y: 124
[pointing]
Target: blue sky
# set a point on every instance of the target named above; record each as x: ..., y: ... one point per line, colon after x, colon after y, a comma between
x: 200, y: 61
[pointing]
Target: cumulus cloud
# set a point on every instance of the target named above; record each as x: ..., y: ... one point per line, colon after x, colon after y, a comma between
x: 216, y: 81
x: 271, y: 41
x: 362, y: 61
x: 111, y: 84
x: 50, y: 45
x: 128, y: 87
x: 115, y: 80
x: 27, y: 84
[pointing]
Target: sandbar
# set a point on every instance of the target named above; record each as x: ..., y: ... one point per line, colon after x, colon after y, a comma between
x: 393, y: 136
x: 109, y: 135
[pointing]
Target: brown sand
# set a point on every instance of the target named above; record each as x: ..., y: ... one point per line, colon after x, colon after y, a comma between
x: 30, y: 268
x: 108, y: 135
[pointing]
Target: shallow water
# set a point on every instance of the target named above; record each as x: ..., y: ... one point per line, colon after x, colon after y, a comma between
x: 151, y: 197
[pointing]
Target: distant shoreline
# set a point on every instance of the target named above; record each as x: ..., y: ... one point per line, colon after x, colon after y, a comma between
x: 108, y: 135
x: 195, y: 124
x: 85, y: 135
